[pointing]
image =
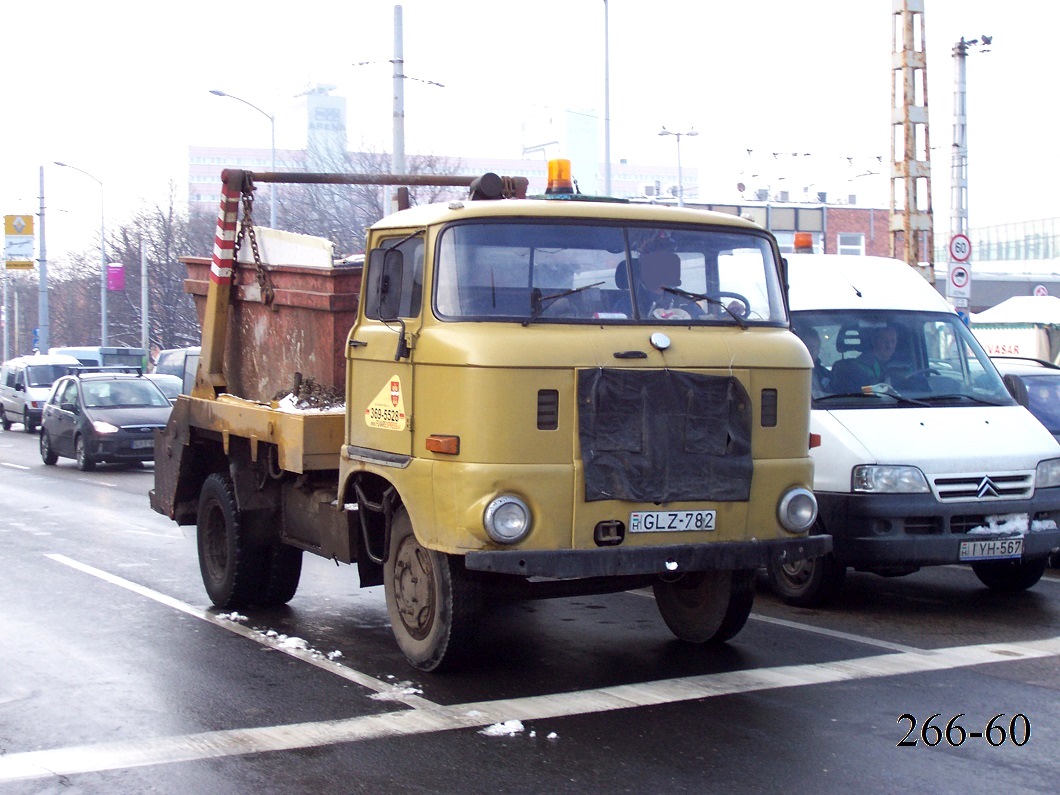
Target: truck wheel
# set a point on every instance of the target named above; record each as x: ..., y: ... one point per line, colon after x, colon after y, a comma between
x: 1010, y: 576
x: 807, y: 583
x: 710, y: 606
x: 27, y: 424
x: 284, y: 565
x: 434, y: 607
x: 233, y: 569
x: 85, y: 462
x: 4, y: 420
x: 47, y: 454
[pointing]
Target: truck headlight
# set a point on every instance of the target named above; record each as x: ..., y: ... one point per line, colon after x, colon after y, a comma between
x: 1048, y: 473
x: 881, y: 479
x: 797, y: 510
x: 507, y: 519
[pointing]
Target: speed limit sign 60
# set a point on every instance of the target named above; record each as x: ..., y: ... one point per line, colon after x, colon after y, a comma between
x: 960, y: 248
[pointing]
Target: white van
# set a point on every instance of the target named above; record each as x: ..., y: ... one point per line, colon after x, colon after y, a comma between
x: 924, y: 458
x: 25, y: 382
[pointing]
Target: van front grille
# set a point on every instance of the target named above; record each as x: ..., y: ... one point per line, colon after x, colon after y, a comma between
x: 984, y: 488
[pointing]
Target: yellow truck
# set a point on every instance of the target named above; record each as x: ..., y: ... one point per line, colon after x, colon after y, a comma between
x: 543, y: 397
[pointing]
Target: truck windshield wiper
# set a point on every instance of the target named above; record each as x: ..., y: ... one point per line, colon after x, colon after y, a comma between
x: 538, y: 301
x: 709, y: 299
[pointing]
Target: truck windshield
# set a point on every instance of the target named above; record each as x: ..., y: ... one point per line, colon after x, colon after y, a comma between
x: 606, y: 273
x: 878, y: 359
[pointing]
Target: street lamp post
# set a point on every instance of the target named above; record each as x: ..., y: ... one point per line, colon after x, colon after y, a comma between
x: 102, y: 254
x: 680, y: 183
x: 272, y: 123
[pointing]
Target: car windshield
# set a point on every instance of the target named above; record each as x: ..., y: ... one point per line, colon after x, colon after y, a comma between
x: 885, y: 359
x: 169, y: 384
x: 1043, y: 399
x: 45, y: 374
x: 603, y: 274
x: 125, y: 393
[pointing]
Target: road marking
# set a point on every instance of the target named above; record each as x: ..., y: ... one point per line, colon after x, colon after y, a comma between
x: 13, y: 466
x: 426, y: 717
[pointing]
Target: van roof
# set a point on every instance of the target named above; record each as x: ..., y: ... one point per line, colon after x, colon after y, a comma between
x: 833, y: 281
x: 43, y: 358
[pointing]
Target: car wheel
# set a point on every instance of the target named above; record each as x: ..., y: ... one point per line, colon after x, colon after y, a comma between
x: 706, y: 606
x: 27, y: 425
x: 813, y: 582
x: 4, y: 420
x: 234, y: 570
x: 434, y: 606
x: 85, y: 462
x: 1010, y: 576
x: 47, y: 454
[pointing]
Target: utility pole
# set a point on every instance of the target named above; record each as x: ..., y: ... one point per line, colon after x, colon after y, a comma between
x: 43, y: 335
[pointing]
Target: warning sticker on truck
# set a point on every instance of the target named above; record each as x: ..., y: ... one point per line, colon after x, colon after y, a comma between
x: 387, y: 409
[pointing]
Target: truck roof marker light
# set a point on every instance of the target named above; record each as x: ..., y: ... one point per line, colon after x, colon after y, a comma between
x: 442, y: 443
x: 559, y: 177
x: 803, y: 243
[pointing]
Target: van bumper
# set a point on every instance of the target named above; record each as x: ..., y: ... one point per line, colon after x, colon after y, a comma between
x: 626, y: 561
x: 911, y: 530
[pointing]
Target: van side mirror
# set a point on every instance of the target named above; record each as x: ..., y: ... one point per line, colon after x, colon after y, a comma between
x: 1016, y: 388
x: 385, y: 270
x: 20, y: 387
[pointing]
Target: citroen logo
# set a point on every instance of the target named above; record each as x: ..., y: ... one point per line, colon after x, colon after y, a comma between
x: 987, y: 489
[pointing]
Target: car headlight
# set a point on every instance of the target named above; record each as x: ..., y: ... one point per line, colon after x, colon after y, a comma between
x: 1048, y: 473
x: 880, y: 479
x: 104, y: 427
x: 797, y: 510
x: 507, y: 519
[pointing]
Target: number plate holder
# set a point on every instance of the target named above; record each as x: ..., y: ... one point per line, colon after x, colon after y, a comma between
x: 991, y: 549
x: 672, y: 521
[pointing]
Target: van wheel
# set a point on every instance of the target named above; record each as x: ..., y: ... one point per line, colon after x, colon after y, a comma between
x: 709, y: 606
x: 27, y: 425
x: 4, y: 420
x: 47, y: 454
x: 434, y: 606
x: 1010, y: 576
x: 233, y: 569
x: 85, y: 462
x: 813, y: 582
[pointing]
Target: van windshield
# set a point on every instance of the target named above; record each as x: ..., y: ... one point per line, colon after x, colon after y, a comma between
x: 879, y: 359
x: 606, y: 273
x: 43, y: 375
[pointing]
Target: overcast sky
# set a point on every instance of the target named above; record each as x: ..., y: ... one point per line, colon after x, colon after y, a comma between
x: 120, y: 89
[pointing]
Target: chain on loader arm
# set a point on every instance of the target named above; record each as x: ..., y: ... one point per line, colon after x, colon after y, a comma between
x: 246, y: 229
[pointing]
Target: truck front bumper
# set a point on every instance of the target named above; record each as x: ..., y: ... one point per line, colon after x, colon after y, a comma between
x: 627, y: 561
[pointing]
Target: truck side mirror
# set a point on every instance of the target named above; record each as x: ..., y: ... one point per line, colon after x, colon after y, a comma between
x: 385, y: 270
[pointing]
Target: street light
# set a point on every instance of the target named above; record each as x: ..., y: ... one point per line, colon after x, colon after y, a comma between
x: 272, y: 122
x: 102, y: 254
x: 680, y: 184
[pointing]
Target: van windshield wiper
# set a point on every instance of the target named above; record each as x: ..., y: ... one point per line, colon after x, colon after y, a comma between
x: 709, y: 299
x: 538, y: 301
x: 959, y: 396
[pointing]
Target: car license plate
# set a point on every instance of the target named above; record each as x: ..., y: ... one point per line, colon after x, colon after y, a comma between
x: 670, y: 521
x: 992, y: 549
x: 143, y: 444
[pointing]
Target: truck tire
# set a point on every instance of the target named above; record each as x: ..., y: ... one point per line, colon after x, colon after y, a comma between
x: 234, y: 570
x: 813, y: 582
x: 434, y: 607
x: 710, y: 606
x: 284, y: 571
x: 1010, y: 576
x: 47, y: 453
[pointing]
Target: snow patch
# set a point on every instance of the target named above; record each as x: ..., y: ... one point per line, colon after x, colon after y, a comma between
x: 396, y: 691
x: 1013, y: 524
x: 233, y: 616
x: 507, y: 729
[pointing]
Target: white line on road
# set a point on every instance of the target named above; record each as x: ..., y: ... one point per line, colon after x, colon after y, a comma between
x: 13, y: 466
x: 427, y: 717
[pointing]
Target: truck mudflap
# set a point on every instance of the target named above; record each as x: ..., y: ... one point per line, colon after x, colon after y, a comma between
x: 624, y: 561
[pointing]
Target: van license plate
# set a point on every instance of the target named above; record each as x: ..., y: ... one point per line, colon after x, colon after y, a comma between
x: 143, y: 444
x: 992, y: 549
x: 670, y: 521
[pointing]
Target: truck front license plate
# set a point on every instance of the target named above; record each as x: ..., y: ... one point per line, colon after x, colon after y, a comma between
x: 670, y: 521
x: 992, y: 549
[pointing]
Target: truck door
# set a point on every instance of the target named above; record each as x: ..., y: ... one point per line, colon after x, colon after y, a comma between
x: 379, y: 371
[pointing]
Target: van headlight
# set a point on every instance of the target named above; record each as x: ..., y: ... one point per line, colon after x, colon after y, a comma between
x: 880, y: 479
x: 1048, y: 474
x: 797, y: 510
x: 104, y: 427
x: 507, y: 519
